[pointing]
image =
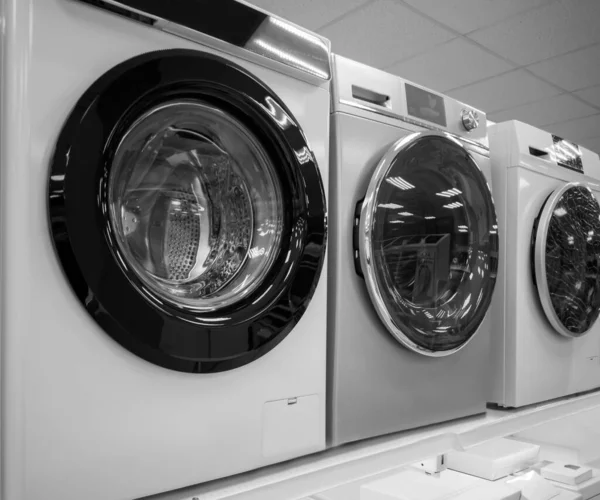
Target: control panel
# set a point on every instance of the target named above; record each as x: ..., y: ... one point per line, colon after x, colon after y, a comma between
x: 470, y: 119
x: 368, y: 91
x: 425, y: 105
x: 521, y: 143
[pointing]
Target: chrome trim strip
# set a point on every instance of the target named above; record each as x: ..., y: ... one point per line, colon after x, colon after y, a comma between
x: 365, y: 230
x: 540, y: 259
x: 288, y: 44
x: 379, y: 110
x: 272, y: 38
x: 396, y: 116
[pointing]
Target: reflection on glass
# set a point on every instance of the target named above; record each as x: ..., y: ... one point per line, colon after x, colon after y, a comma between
x: 256, y: 252
x: 456, y: 204
x: 425, y: 264
x: 449, y: 193
x: 560, y: 211
x: 415, y: 261
x: 400, y: 183
x: 194, y: 201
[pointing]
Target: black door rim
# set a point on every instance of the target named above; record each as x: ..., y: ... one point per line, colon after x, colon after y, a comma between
x: 156, y: 331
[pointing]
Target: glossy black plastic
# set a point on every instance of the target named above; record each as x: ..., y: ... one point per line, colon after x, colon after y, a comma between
x: 174, y: 337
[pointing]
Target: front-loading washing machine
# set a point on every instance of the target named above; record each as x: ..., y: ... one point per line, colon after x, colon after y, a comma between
x: 413, y: 256
x: 546, y: 339
x: 164, y: 170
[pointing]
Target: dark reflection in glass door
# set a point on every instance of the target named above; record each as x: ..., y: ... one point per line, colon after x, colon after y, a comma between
x: 435, y: 243
x: 570, y: 259
x: 418, y: 265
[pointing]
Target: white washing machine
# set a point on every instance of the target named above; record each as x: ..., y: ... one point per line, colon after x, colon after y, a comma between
x: 164, y: 170
x: 413, y: 256
x: 546, y: 338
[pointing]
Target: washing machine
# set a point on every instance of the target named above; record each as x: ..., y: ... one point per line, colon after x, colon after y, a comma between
x: 164, y: 170
x: 546, y: 339
x: 413, y: 256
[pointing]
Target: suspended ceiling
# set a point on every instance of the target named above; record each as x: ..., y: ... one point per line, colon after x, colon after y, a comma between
x: 532, y: 60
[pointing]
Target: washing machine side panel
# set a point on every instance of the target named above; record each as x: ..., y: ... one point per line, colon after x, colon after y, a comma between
x: 586, y: 360
x: 3, y: 83
x: 490, y: 336
x: 516, y: 270
x: 498, y: 360
x: 595, y: 371
x: 336, y: 265
x: 16, y: 306
x: 591, y: 162
x: 379, y: 386
x: 84, y: 408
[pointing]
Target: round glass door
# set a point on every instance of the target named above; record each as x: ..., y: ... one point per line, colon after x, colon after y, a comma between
x: 428, y: 243
x: 188, y: 211
x: 196, y: 205
x: 566, y: 252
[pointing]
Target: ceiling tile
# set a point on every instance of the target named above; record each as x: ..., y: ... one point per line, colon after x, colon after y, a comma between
x: 549, y: 31
x: 451, y: 65
x: 504, y: 91
x: 591, y: 95
x: 545, y: 111
x: 382, y: 33
x: 469, y: 15
x: 573, y: 71
x: 577, y: 130
x: 312, y: 14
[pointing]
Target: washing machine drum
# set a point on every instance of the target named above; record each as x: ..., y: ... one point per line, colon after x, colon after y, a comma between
x: 195, y: 204
x: 426, y: 243
x: 566, y: 259
x: 188, y: 211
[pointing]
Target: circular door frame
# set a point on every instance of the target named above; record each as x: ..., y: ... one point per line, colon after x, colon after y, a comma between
x: 175, y: 337
x: 365, y: 229
x: 540, y: 259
